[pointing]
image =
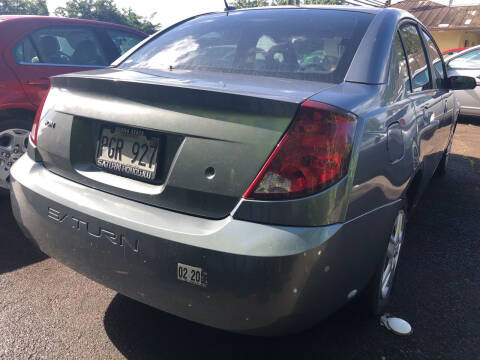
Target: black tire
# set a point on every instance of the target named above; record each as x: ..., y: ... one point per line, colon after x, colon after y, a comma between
x: 374, y: 299
x: 6, y: 124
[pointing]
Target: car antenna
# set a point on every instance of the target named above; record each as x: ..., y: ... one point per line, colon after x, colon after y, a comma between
x: 228, y: 7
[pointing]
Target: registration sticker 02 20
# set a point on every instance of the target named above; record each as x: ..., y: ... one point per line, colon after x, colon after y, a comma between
x: 191, y: 274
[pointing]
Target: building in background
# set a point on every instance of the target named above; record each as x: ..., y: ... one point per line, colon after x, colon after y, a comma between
x: 451, y: 26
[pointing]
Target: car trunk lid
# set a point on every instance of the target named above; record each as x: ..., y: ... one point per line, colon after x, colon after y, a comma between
x: 216, y: 131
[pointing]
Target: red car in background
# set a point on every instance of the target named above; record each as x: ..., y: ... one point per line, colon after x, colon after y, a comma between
x: 33, y: 48
x: 447, y: 53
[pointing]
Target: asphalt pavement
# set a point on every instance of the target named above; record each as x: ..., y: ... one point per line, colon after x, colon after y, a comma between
x: 48, y: 311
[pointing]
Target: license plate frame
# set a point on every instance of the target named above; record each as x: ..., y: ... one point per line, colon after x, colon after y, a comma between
x: 113, y: 158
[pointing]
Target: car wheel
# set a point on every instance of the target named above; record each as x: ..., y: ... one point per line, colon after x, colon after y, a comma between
x: 380, y: 288
x: 13, y: 144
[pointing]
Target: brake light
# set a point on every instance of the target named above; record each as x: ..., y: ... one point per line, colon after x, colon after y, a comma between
x: 313, y: 155
x: 36, y: 122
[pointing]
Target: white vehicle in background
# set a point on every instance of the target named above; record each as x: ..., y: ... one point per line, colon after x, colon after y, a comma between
x: 467, y: 63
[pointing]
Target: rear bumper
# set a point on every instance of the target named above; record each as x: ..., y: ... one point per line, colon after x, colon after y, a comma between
x: 262, y: 279
x: 469, y: 111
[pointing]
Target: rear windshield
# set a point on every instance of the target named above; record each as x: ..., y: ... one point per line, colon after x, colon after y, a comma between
x: 306, y: 44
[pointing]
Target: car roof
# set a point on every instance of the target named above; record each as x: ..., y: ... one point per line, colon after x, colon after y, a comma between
x: 368, y: 9
x: 62, y: 20
x: 364, y: 9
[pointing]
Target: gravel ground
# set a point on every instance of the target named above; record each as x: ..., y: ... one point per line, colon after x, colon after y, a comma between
x: 48, y: 311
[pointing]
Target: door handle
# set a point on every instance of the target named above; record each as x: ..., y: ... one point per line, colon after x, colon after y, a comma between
x: 428, y: 116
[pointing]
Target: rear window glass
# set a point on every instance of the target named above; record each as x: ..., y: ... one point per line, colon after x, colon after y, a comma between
x: 315, y: 45
x: 436, y: 59
x: 399, y: 81
x: 417, y: 60
x: 123, y: 40
x: 24, y: 52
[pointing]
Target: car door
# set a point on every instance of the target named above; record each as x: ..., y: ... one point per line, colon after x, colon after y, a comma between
x: 51, y: 51
x: 445, y: 124
x: 428, y: 100
x: 467, y: 64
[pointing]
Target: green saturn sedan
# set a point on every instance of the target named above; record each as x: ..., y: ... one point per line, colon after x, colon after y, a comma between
x: 251, y: 170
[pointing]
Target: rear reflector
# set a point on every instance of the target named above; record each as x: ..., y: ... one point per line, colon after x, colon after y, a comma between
x: 36, y: 122
x: 313, y: 155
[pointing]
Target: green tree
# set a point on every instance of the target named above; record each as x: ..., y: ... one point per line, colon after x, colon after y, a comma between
x: 239, y: 4
x: 107, y: 10
x: 284, y: 2
x: 23, y: 7
x: 323, y: 2
x: 256, y: 3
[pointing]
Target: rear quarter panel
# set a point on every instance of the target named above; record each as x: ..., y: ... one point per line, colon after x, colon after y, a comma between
x: 375, y: 179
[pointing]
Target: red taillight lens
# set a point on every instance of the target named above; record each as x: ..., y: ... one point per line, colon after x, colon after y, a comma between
x: 36, y: 122
x: 313, y: 154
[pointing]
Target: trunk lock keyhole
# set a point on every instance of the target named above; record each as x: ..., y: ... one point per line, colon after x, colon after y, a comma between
x: 210, y: 173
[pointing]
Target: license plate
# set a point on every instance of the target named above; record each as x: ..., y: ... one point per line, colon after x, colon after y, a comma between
x: 192, y: 274
x: 128, y: 152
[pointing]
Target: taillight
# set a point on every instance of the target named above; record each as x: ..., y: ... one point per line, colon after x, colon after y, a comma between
x: 313, y: 155
x: 36, y: 122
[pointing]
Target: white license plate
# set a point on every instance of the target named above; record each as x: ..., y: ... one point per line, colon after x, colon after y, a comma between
x: 192, y: 275
x: 128, y: 152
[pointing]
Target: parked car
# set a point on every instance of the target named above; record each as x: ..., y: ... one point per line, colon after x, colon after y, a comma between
x: 36, y: 48
x: 447, y: 53
x: 467, y: 63
x: 249, y: 170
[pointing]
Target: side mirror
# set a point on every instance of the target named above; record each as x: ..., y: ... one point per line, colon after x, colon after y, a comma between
x: 462, y: 82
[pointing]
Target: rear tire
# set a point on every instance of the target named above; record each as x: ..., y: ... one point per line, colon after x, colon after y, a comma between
x: 13, y: 144
x: 378, y: 292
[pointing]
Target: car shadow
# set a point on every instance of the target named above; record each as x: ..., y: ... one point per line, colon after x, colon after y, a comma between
x: 142, y: 332
x: 15, y: 250
x: 435, y: 291
x: 472, y: 120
